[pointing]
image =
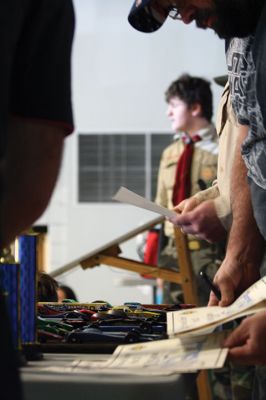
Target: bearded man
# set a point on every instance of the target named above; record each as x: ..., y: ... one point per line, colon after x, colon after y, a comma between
x: 242, y: 24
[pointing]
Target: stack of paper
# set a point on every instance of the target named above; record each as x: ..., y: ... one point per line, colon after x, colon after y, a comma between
x: 161, y: 357
x: 164, y: 357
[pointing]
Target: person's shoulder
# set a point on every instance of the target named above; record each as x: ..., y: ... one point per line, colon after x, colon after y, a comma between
x: 209, y: 142
x: 172, y: 150
x: 171, y: 155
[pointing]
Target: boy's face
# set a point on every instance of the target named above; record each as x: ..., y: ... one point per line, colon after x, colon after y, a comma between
x: 179, y: 115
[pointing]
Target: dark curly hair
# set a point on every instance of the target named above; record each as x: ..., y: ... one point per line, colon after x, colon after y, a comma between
x: 192, y: 90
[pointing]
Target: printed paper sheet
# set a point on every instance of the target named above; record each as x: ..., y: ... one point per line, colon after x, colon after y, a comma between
x: 203, y: 319
x: 160, y: 357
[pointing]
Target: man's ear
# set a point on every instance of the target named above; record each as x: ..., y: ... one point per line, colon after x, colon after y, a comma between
x: 196, y: 110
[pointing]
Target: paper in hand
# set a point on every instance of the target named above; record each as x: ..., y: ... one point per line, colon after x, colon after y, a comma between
x: 127, y: 196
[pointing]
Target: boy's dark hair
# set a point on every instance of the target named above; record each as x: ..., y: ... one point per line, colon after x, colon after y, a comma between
x: 69, y: 293
x: 47, y: 288
x: 191, y: 90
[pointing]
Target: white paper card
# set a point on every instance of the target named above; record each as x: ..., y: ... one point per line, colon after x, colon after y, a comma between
x: 125, y: 195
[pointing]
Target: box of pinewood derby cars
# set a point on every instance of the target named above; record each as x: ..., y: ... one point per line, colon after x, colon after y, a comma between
x: 99, y: 327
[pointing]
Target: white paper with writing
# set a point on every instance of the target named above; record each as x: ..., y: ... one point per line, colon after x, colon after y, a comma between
x: 207, y: 318
x: 160, y: 357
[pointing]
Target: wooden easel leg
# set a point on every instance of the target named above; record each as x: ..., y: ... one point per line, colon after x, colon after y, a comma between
x: 204, y: 391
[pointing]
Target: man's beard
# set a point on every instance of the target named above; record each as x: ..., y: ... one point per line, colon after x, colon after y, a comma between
x: 233, y: 18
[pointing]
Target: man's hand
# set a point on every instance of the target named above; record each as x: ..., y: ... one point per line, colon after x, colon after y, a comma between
x: 232, y: 278
x: 187, y: 205
x: 247, y: 341
x: 202, y: 221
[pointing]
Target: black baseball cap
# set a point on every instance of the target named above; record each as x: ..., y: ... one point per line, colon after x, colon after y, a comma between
x: 144, y: 17
x: 221, y: 80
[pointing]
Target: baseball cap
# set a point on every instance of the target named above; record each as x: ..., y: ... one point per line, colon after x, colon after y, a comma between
x: 221, y: 80
x: 144, y: 17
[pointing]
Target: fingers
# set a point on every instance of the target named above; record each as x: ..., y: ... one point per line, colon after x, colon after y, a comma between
x: 245, y: 355
x: 225, y: 284
x: 181, y: 221
x: 213, y: 301
x: 238, y: 336
x: 187, y: 205
x: 188, y: 229
x: 242, y: 355
x: 184, y: 220
x: 239, y: 344
x: 187, y: 225
x: 247, y: 342
x: 227, y: 295
x: 179, y: 208
x: 190, y: 205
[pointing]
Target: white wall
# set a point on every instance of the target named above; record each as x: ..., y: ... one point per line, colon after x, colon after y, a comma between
x: 119, y: 78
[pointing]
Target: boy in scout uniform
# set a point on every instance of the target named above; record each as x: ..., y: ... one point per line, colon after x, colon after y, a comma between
x: 231, y: 382
x: 187, y: 166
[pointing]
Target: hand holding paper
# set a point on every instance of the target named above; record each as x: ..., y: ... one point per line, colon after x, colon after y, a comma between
x: 204, y: 319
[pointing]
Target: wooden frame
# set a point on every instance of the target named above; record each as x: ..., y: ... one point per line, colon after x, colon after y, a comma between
x: 110, y: 254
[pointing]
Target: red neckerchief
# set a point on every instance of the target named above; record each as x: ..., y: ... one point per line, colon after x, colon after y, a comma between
x: 182, y: 185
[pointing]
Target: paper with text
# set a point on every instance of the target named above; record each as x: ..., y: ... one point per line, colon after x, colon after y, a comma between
x: 127, y: 196
x: 205, y: 319
x: 160, y: 357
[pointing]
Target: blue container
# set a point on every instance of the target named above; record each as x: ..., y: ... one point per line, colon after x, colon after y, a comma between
x: 9, y: 283
x: 28, y: 287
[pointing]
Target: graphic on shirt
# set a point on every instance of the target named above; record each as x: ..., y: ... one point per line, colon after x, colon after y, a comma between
x: 242, y: 80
